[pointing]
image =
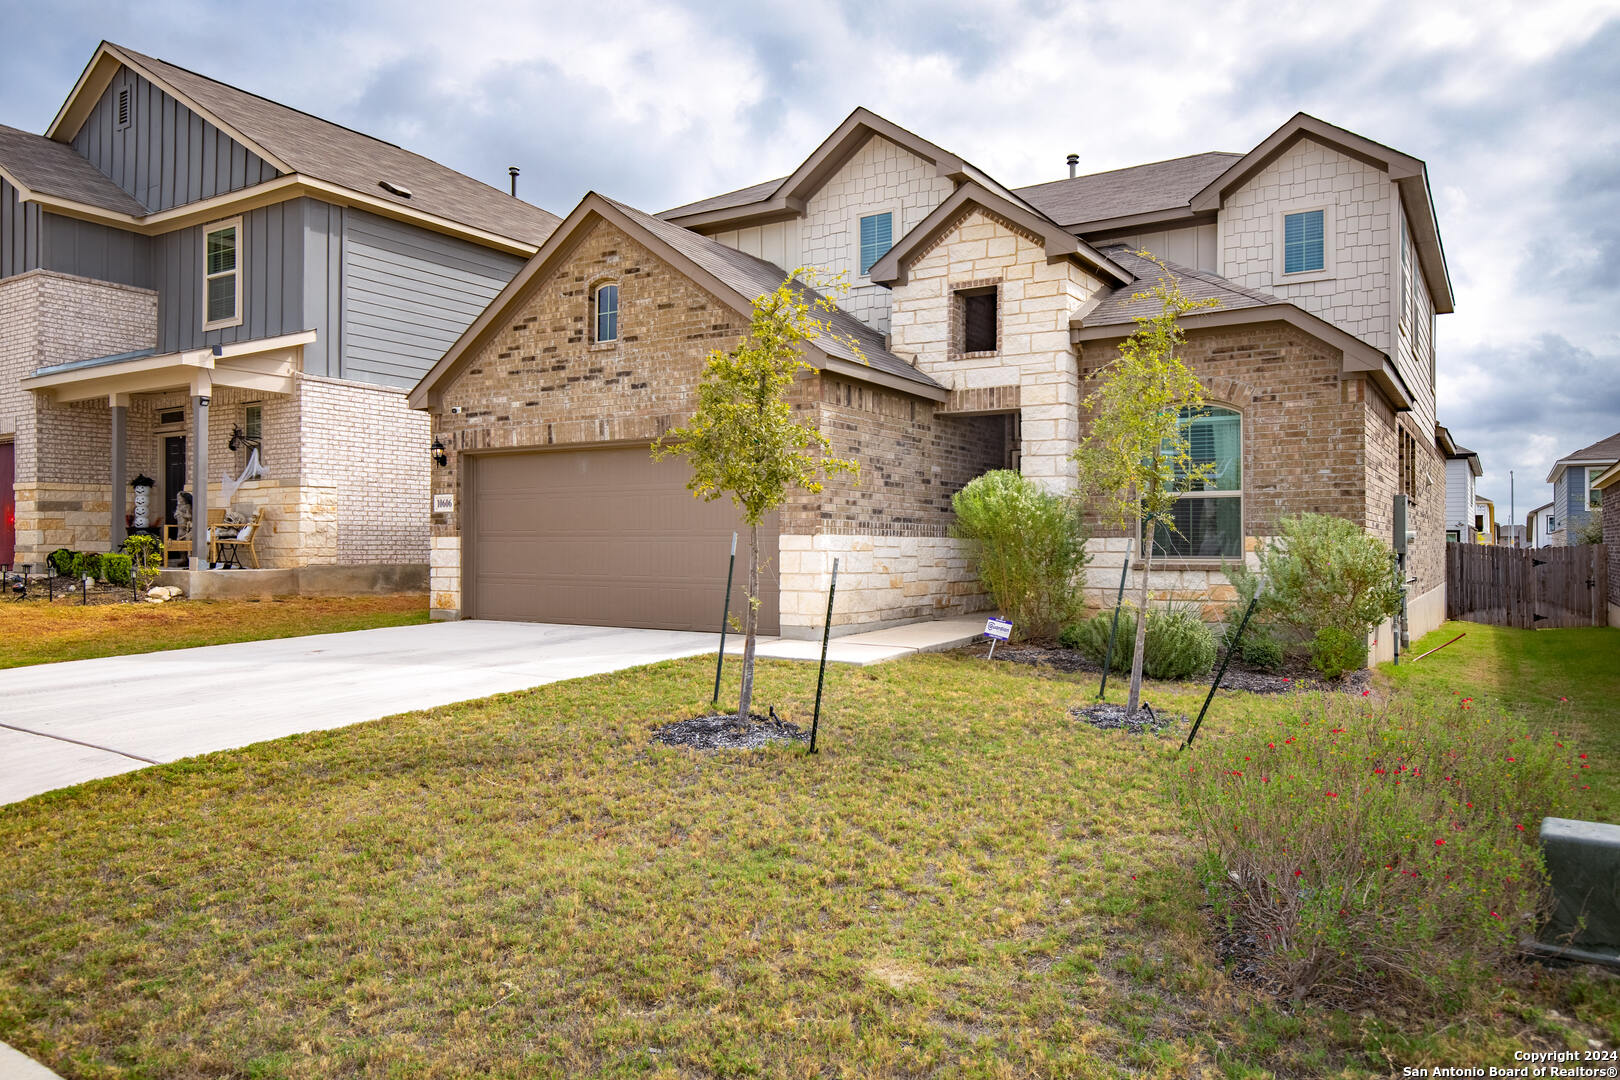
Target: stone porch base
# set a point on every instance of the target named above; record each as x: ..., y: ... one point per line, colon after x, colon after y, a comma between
x: 363, y: 579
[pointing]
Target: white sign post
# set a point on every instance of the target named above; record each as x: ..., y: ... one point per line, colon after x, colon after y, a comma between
x: 996, y: 630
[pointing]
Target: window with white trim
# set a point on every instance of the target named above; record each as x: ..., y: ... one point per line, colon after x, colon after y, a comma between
x: 1594, y: 496
x: 1208, y: 516
x: 1304, y: 242
x: 222, y: 274
x: 605, y: 306
x: 877, y: 237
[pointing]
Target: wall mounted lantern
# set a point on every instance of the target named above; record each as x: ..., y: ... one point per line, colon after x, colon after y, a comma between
x: 440, y: 457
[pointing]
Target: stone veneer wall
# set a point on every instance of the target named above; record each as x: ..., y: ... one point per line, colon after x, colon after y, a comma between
x: 1035, y: 301
x: 63, y: 498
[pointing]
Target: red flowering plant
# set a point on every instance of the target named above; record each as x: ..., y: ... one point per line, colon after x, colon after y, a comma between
x: 1368, y: 850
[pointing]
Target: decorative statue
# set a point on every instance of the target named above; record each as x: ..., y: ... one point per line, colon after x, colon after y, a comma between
x: 143, y: 501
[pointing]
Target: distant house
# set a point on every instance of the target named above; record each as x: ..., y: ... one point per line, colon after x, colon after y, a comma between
x: 1538, y: 523
x: 192, y: 279
x: 1484, y: 520
x: 1575, y: 496
x: 1462, y: 469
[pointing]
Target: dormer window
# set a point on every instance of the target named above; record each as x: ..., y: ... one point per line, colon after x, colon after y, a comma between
x: 877, y: 237
x: 605, y: 304
x: 1304, y: 242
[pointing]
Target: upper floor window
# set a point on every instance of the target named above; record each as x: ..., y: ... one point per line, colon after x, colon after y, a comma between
x: 222, y: 274
x: 974, y: 318
x: 1594, y: 496
x: 1304, y: 242
x: 877, y: 237
x: 1208, y: 517
x: 606, y: 306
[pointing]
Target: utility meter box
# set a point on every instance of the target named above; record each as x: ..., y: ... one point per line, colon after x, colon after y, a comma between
x: 1404, y: 534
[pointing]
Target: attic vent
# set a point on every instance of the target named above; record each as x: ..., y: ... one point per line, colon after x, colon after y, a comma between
x: 123, y: 107
x: 394, y: 189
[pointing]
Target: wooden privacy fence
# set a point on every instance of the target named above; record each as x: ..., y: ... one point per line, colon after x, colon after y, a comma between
x: 1531, y: 588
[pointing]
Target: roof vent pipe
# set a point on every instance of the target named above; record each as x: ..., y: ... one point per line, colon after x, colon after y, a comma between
x: 1074, y: 160
x: 512, y: 171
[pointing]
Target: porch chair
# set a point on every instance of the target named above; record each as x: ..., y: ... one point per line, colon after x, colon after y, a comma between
x: 228, y: 549
x: 175, y: 544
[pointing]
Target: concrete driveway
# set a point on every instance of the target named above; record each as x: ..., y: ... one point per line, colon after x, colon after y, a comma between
x: 62, y: 724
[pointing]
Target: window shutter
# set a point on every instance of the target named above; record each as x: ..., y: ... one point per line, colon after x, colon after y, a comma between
x: 877, y: 237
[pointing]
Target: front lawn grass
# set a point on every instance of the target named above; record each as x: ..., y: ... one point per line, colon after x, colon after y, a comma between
x: 964, y: 883
x: 38, y: 633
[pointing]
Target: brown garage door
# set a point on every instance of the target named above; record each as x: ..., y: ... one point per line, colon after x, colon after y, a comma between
x: 604, y: 538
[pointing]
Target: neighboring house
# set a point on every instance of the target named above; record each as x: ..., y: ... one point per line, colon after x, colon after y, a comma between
x: 1511, y: 535
x: 1575, y: 496
x: 191, y: 275
x: 1608, y: 481
x: 1484, y: 520
x: 1462, y: 469
x: 1538, y: 524
x: 983, y: 316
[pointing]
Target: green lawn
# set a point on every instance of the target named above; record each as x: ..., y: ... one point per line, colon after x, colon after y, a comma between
x: 964, y: 883
x: 37, y: 632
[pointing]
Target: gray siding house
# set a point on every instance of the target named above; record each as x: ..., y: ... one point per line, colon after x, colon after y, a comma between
x: 223, y: 295
x: 1576, y: 496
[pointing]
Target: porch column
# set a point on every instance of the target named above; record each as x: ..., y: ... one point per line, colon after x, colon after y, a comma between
x: 119, y: 404
x: 201, y: 387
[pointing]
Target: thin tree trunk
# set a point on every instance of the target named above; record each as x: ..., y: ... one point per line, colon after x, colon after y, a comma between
x: 1141, y: 622
x: 750, y: 625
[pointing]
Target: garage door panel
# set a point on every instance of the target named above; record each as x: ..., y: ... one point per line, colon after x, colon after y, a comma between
x: 604, y: 537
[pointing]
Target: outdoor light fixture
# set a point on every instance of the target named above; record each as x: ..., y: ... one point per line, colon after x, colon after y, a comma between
x: 440, y: 457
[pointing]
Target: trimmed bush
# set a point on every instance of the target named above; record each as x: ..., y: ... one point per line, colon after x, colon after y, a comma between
x: 1377, y: 856
x: 117, y: 567
x: 87, y: 564
x: 1031, y: 549
x: 1178, y: 644
x: 61, y: 560
x: 1324, y: 572
x: 1260, y: 648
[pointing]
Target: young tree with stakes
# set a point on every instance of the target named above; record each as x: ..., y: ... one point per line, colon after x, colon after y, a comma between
x: 1135, y: 461
x: 743, y: 442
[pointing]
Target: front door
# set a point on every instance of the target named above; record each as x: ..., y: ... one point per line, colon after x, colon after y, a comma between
x: 8, y: 503
x: 174, y: 473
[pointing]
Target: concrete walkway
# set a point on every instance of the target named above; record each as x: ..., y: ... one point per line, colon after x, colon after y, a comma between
x: 63, y: 724
x: 18, y: 1066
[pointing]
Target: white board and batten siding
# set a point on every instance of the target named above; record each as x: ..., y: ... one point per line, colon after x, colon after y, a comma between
x: 408, y: 295
x: 1460, y: 498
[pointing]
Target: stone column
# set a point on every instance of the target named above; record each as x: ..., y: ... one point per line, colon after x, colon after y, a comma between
x: 119, y: 404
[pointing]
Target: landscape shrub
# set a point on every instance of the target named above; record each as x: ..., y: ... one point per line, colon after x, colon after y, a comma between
x: 1178, y: 644
x: 117, y: 567
x: 87, y: 564
x: 1090, y: 637
x: 61, y: 560
x: 1031, y: 549
x: 146, y: 557
x: 1377, y: 854
x: 1260, y: 647
x: 1335, y: 651
x: 1323, y: 572
x: 1590, y: 529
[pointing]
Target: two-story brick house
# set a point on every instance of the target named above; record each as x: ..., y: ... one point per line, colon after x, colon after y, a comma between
x: 982, y: 315
x: 192, y: 276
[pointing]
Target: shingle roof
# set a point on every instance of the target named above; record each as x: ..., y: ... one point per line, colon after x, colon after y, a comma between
x: 1118, y: 308
x: 51, y: 168
x: 327, y: 151
x: 752, y: 277
x: 1602, y: 450
x: 1140, y: 189
x: 740, y: 197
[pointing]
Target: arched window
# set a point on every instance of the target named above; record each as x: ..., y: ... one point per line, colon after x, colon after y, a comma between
x: 1209, y: 515
x: 605, y: 305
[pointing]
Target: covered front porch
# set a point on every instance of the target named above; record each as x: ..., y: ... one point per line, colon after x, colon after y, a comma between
x: 164, y: 419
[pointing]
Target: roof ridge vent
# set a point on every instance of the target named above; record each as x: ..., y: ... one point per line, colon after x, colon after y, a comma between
x: 394, y: 189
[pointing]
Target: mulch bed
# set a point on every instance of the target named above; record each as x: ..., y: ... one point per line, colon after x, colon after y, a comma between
x: 67, y: 593
x: 724, y: 731
x: 1110, y: 717
x: 1237, y: 677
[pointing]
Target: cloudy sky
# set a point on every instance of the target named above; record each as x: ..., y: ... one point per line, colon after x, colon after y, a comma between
x: 1515, y: 107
